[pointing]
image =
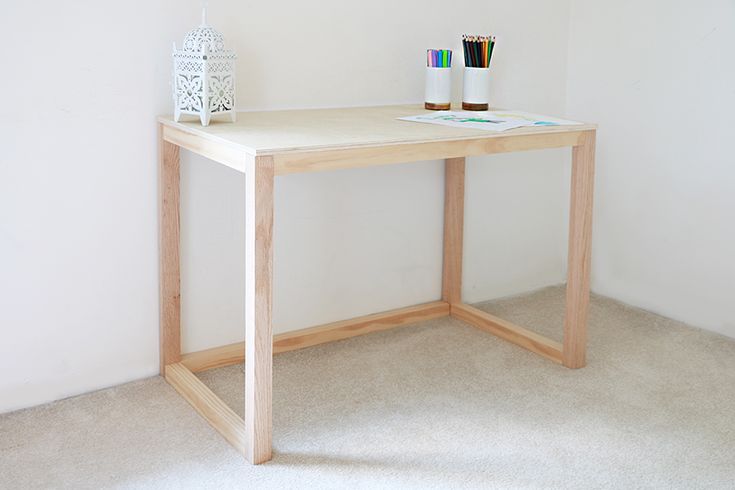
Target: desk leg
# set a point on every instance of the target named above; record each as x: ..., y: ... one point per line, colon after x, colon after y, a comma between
x: 169, y: 282
x: 259, y: 178
x: 453, y: 230
x: 580, y: 241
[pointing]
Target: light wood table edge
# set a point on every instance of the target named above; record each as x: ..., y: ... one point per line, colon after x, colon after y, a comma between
x: 221, y: 152
x: 330, y: 332
x: 317, y: 160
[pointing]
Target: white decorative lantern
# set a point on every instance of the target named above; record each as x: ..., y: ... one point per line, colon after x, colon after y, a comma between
x: 204, y: 75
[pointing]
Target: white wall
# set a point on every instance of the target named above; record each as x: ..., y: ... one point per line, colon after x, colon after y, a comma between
x: 78, y: 236
x: 659, y: 78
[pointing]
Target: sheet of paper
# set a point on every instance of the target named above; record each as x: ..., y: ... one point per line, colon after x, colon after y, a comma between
x: 535, y: 119
x: 487, y: 120
x: 466, y: 119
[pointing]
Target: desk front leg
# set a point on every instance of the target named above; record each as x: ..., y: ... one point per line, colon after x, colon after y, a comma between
x: 259, y: 178
x: 580, y: 250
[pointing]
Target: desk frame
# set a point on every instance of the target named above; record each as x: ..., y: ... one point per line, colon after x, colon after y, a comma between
x: 252, y: 435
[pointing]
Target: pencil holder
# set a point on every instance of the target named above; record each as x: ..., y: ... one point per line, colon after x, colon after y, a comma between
x: 475, y: 89
x: 438, y: 88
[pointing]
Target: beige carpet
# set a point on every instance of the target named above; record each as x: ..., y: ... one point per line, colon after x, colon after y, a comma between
x: 436, y: 405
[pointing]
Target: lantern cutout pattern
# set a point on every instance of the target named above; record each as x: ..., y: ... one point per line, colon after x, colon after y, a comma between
x: 204, y: 75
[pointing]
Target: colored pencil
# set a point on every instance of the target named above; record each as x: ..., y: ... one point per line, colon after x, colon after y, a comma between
x: 490, y: 51
x: 478, y: 50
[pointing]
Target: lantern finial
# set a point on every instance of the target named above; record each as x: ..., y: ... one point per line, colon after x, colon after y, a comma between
x: 204, y: 13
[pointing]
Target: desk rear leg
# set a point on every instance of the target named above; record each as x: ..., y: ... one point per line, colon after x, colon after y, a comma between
x: 453, y: 230
x: 580, y: 251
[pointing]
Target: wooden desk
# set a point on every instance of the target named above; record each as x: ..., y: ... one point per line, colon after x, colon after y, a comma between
x: 264, y: 145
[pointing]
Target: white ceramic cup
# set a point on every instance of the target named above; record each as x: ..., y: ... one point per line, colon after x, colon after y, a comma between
x: 438, y: 88
x: 475, y: 88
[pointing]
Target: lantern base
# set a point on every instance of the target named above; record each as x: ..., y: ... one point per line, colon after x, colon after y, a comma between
x: 203, y: 117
